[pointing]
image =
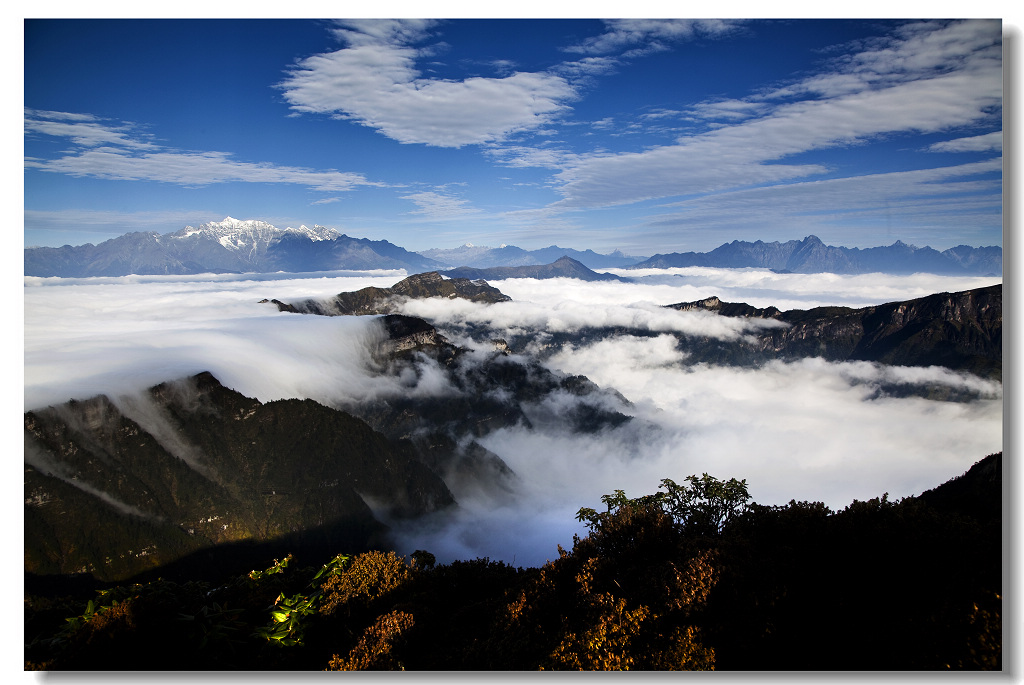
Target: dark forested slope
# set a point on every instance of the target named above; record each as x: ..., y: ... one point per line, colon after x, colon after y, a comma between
x: 689, y: 578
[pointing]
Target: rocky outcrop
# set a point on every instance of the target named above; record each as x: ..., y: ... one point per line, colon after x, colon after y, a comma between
x: 405, y: 334
x: 373, y: 300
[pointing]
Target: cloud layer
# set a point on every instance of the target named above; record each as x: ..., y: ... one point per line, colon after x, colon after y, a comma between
x: 804, y: 430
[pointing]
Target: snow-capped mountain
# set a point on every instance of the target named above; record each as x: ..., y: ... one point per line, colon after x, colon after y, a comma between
x: 221, y: 245
x: 239, y: 235
x: 231, y: 245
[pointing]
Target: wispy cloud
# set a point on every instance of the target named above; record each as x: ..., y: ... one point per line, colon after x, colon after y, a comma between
x: 642, y: 35
x: 374, y: 81
x: 84, y: 130
x: 983, y: 143
x: 439, y: 205
x: 929, y: 77
x: 119, y: 152
x: 928, y: 201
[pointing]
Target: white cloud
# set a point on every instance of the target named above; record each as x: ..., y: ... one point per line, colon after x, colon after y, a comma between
x: 930, y: 203
x: 439, y: 205
x: 121, y: 335
x: 558, y: 313
x: 374, y: 81
x: 83, y: 129
x: 739, y: 155
x: 983, y: 143
x: 804, y: 430
x: 116, y: 153
x: 765, y: 288
x: 651, y: 34
x: 928, y: 77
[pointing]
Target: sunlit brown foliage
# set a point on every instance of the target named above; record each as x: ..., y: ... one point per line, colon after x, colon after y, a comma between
x: 622, y: 599
x: 375, y: 649
x: 880, y: 585
x: 370, y: 576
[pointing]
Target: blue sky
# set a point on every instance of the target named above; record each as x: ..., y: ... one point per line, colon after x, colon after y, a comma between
x: 646, y: 136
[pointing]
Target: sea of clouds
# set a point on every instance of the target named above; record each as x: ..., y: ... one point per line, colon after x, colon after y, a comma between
x: 806, y: 430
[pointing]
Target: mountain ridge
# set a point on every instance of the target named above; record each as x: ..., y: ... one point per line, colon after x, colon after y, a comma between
x: 254, y: 246
x: 236, y: 469
x: 373, y: 300
x: 563, y: 267
x: 229, y: 246
x: 960, y: 331
x: 481, y: 257
x: 811, y: 255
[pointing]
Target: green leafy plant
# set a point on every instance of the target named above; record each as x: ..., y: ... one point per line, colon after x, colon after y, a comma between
x: 286, y: 628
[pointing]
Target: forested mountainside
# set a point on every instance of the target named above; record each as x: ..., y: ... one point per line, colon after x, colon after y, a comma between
x: 693, y: 577
x: 201, y: 466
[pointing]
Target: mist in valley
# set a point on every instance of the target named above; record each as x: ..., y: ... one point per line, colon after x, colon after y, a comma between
x: 805, y: 430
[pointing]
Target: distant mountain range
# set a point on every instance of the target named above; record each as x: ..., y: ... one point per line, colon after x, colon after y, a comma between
x: 810, y: 255
x: 251, y: 246
x: 479, y: 257
x: 229, y: 246
x: 564, y: 267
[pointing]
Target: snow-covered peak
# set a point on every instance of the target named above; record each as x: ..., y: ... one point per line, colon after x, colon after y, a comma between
x: 316, y: 233
x: 250, y: 234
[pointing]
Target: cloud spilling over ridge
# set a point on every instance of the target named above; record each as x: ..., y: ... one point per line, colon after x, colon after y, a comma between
x: 89, y: 336
x: 807, y: 430
x: 567, y: 305
x: 764, y: 287
x: 566, y: 314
